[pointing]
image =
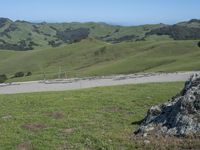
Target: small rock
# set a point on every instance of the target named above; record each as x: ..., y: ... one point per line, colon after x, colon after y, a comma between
x: 146, y: 141
x: 145, y: 135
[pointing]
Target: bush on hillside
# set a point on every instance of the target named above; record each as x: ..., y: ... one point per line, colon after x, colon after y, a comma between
x: 19, y: 74
x: 29, y: 73
x: 199, y: 43
x: 22, y: 45
x: 127, y: 38
x: 55, y: 43
x: 3, y: 78
x: 100, y: 51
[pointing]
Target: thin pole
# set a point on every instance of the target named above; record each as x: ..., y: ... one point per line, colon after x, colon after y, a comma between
x: 44, y: 76
x: 59, y: 75
x: 65, y: 75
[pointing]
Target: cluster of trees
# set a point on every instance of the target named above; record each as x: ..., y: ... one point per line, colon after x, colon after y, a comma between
x: 199, y: 43
x: 22, y: 74
x: 11, y: 28
x: 69, y: 36
x: 3, y: 77
x: 22, y: 45
x: 177, y: 32
x: 194, y: 21
x: 126, y: 38
x: 73, y: 35
x: 55, y: 43
x: 3, y: 22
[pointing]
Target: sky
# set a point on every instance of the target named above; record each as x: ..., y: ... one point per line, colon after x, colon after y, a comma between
x: 122, y: 12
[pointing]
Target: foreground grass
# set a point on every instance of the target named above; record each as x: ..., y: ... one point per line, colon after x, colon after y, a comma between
x: 98, y: 118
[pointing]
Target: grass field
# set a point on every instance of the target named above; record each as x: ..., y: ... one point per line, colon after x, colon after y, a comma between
x: 92, y: 57
x: 99, y: 118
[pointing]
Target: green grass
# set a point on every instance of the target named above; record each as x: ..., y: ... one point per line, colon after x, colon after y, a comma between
x: 98, y: 118
x: 92, y: 57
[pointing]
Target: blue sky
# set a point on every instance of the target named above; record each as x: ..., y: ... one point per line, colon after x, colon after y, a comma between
x: 125, y: 12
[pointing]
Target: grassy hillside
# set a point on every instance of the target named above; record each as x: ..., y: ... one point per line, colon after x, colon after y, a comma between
x: 99, y: 118
x: 90, y: 49
x: 22, y: 36
x: 92, y: 57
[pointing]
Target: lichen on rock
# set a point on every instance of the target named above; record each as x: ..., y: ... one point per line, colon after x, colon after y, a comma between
x: 179, y: 117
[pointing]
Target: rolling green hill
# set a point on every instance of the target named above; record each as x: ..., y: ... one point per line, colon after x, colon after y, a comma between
x: 92, y: 57
x: 90, y: 49
x: 22, y: 35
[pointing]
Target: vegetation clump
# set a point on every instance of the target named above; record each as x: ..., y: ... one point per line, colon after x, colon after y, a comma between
x: 198, y: 44
x: 3, y: 78
x: 177, y: 32
x: 19, y: 74
x: 29, y: 73
x: 55, y: 43
x: 22, y: 45
x: 100, y: 51
x: 22, y: 74
x: 71, y: 36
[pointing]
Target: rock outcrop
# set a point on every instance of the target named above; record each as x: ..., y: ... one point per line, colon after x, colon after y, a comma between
x: 179, y: 117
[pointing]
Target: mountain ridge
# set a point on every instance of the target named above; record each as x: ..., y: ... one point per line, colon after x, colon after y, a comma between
x: 22, y: 35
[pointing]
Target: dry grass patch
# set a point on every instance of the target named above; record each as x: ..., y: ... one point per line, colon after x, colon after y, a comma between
x: 25, y: 146
x: 68, y: 130
x: 34, y: 127
x: 112, y: 109
x: 168, y: 142
x: 56, y: 115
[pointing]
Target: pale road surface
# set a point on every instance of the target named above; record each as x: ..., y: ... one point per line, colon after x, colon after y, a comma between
x: 81, y: 83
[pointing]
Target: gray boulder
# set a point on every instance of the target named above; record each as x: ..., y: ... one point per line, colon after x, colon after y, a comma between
x: 179, y: 117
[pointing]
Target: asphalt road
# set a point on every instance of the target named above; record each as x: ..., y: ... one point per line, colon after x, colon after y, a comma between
x: 81, y: 83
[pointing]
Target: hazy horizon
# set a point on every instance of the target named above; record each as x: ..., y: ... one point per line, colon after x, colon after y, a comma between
x: 109, y: 23
x: 129, y: 12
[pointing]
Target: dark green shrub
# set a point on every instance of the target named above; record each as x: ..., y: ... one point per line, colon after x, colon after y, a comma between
x: 55, y: 43
x: 73, y: 35
x: 29, y: 73
x: 177, y: 32
x: 100, y: 51
x: 199, y: 43
x: 3, y: 78
x: 19, y: 74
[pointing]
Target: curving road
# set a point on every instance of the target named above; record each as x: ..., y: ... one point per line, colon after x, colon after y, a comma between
x: 81, y: 83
